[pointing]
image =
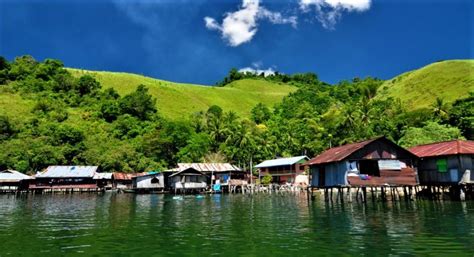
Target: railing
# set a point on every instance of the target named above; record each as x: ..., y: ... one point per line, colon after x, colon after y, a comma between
x: 190, y: 185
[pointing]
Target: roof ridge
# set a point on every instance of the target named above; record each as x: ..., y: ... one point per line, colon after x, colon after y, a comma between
x: 439, y: 142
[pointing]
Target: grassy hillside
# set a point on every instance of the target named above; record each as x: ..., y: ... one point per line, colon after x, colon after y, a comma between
x: 448, y: 80
x: 176, y: 100
x: 14, y: 106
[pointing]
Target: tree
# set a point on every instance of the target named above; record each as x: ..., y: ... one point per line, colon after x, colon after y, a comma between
x: 267, y: 179
x: 260, y: 113
x: 440, y: 109
x: 4, y: 68
x: 6, y: 128
x: 87, y: 85
x: 214, y: 125
x: 197, y: 148
x: 139, y: 104
x: 431, y: 132
x: 22, y: 67
x: 461, y: 115
x: 110, y: 110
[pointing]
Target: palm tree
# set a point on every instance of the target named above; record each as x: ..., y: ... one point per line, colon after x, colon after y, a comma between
x: 440, y: 109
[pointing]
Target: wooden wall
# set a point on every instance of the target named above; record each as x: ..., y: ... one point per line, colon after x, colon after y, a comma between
x: 429, y: 174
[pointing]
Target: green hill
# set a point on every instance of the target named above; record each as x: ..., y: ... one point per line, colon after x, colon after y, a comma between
x: 448, y: 80
x: 177, y: 100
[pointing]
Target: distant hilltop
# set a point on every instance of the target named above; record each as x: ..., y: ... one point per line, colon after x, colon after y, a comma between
x: 418, y: 88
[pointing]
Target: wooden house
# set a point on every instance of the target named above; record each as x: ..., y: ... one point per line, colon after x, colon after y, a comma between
x: 285, y: 170
x: 445, y: 163
x: 372, y: 163
x: 12, y: 180
x: 217, y: 173
x: 149, y: 182
x: 122, y: 180
x: 188, y: 180
x: 66, y: 178
x: 104, y: 180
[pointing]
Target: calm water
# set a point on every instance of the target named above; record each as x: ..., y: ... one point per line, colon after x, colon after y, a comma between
x: 223, y: 225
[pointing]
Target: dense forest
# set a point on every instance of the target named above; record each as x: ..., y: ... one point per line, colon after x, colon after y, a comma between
x: 73, y: 120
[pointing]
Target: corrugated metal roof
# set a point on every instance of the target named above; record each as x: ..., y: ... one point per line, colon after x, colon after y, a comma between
x: 188, y: 171
x: 12, y: 176
x: 127, y: 176
x: 209, y: 167
x: 444, y: 148
x: 68, y: 172
x: 339, y: 153
x: 281, y: 161
x: 122, y: 176
x: 103, y: 175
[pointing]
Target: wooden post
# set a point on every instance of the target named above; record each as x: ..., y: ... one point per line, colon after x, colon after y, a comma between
x: 350, y: 195
x: 342, y: 195
x: 364, y: 194
x: 462, y: 194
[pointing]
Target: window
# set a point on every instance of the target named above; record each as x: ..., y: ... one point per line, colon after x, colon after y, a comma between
x: 155, y: 180
x: 369, y: 167
x: 192, y: 179
x: 442, y: 165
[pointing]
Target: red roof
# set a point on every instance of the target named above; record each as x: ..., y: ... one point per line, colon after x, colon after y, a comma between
x: 339, y: 153
x: 127, y: 176
x: 453, y: 147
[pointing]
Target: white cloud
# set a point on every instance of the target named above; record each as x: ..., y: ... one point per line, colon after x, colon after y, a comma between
x: 255, y: 69
x: 328, y: 12
x: 241, y: 26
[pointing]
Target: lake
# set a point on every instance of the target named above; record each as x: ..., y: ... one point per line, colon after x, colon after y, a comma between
x: 229, y: 225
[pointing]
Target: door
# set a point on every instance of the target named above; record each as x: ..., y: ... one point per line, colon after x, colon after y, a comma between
x: 322, y: 176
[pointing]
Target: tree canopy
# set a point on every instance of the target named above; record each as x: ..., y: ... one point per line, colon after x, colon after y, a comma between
x: 73, y: 120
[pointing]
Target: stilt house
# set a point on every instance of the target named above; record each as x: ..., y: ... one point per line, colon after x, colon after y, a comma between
x: 188, y: 180
x: 12, y: 180
x: 445, y: 163
x: 66, y: 177
x: 375, y: 162
x: 285, y: 170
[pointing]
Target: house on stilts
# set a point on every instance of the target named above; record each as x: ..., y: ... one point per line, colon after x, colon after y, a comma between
x: 446, y: 164
x: 66, y: 178
x: 149, y: 182
x: 13, y: 181
x: 220, y: 176
x: 285, y: 170
x: 189, y: 180
x: 375, y: 163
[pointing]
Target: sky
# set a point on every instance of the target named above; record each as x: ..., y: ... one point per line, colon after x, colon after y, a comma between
x: 199, y: 41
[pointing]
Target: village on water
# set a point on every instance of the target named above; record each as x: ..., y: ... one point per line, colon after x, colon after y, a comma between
x: 376, y: 169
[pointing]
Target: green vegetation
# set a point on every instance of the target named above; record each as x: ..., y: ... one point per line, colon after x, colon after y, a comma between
x: 431, y: 132
x: 50, y: 115
x: 176, y: 100
x: 448, y: 80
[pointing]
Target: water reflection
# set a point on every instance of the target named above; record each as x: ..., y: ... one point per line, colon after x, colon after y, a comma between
x: 230, y: 225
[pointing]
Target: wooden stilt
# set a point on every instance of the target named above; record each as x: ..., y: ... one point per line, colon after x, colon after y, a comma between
x: 462, y: 194
x: 364, y: 194
x: 350, y: 195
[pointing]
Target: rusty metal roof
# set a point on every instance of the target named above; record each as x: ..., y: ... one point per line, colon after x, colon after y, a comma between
x: 452, y: 147
x: 339, y: 153
x: 209, y: 167
x: 127, y: 176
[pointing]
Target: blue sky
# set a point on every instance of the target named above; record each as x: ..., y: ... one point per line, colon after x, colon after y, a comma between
x: 199, y: 41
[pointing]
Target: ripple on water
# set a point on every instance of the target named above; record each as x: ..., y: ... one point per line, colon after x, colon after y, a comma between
x: 260, y: 225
